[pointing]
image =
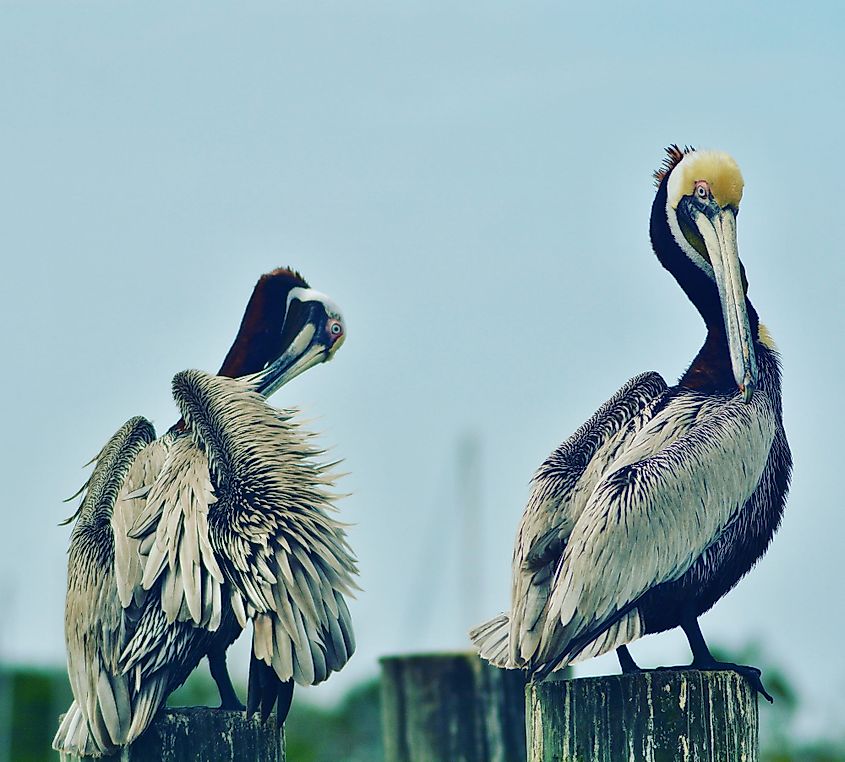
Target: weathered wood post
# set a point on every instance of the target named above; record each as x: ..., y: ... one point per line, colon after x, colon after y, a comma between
x: 663, y: 716
x: 200, y: 734
x: 451, y: 708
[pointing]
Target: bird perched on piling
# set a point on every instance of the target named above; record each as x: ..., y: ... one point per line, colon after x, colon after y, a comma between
x: 658, y: 505
x: 226, y: 518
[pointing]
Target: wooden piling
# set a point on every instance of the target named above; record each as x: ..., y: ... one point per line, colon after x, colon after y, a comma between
x: 660, y: 716
x: 201, y: 734
x: 455, y: 707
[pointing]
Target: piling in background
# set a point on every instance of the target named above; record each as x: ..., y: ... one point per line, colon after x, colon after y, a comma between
x: 454, y: 707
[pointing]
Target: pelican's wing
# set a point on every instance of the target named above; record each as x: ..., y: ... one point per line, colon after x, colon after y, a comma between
x: 563, y: 483
x: 664, y: 501
x: 174, y: 622
x: 160, y: 655
x: 172, y: 530
x: 130, y: 505
x: 95, y: 623
x: 283, y: 553
x: 184, y: 607
x: 560, y: 490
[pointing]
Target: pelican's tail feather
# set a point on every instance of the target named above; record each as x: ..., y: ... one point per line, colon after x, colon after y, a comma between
x: 491, y: 641
x: 73, y: 738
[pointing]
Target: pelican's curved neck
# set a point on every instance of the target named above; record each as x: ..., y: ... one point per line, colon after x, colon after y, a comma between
x: 697, y: 284
x: 259, y: 338
x: 711, y: 371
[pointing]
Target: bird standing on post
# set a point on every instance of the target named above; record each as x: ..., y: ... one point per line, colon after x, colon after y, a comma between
x: 180, y: 540
x: 658, y: 505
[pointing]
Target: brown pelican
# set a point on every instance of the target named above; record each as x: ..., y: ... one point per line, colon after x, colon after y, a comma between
x: 178, y: 541
x: 660, y: 503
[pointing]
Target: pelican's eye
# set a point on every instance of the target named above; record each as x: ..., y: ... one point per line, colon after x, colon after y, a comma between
x: 335, y: 328
x: 702, y: 190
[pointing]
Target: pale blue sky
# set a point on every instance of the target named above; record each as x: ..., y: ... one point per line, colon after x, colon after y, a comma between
x: 471, y: 183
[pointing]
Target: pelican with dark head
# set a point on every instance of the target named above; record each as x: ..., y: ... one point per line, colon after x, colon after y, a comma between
x: 166, y: 564
x: 659, y: 504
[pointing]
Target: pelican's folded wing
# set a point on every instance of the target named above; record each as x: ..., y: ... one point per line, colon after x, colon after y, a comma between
x: 563, y: 484
x: 559, y: 491
x: 665, y: 500
x: 95, y: 622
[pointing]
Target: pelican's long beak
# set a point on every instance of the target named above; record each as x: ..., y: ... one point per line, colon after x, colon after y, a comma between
x: 718, y: 230
x: 307, y: 339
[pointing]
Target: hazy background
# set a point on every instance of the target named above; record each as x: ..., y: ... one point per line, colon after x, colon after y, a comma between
x: 471, y: 183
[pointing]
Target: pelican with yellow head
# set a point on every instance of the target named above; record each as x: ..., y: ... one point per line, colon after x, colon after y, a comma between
x: 658, y: 505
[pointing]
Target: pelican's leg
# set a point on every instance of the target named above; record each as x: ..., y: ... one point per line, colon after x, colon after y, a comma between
x: 284, y: 699
x: 265, y: 690
x: 626, y: 661
x: 228, y: 698
x: 703, y: 659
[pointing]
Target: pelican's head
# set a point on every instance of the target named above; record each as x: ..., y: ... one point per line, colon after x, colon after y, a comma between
x: 699, y: 192
x: 312, y: 331
x: 287, y: 328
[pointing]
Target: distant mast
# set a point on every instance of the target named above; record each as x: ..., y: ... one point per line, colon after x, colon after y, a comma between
x: 470, y: 552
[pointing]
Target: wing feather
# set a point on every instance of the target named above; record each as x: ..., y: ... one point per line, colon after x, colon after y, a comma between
x: 181, y: 561
x: 656, y: 511
x: 128, y: 563
x: 96, y: 623
x: 280, y: 547
x: 559, y: 492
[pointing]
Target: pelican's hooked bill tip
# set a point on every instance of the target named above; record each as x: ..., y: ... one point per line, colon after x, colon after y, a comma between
x: 747, y: 390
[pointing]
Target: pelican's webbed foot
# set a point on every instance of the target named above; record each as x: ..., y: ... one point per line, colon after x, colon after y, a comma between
x: 703, y: 659
x: 233, y: 704
x: 752, y: 674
